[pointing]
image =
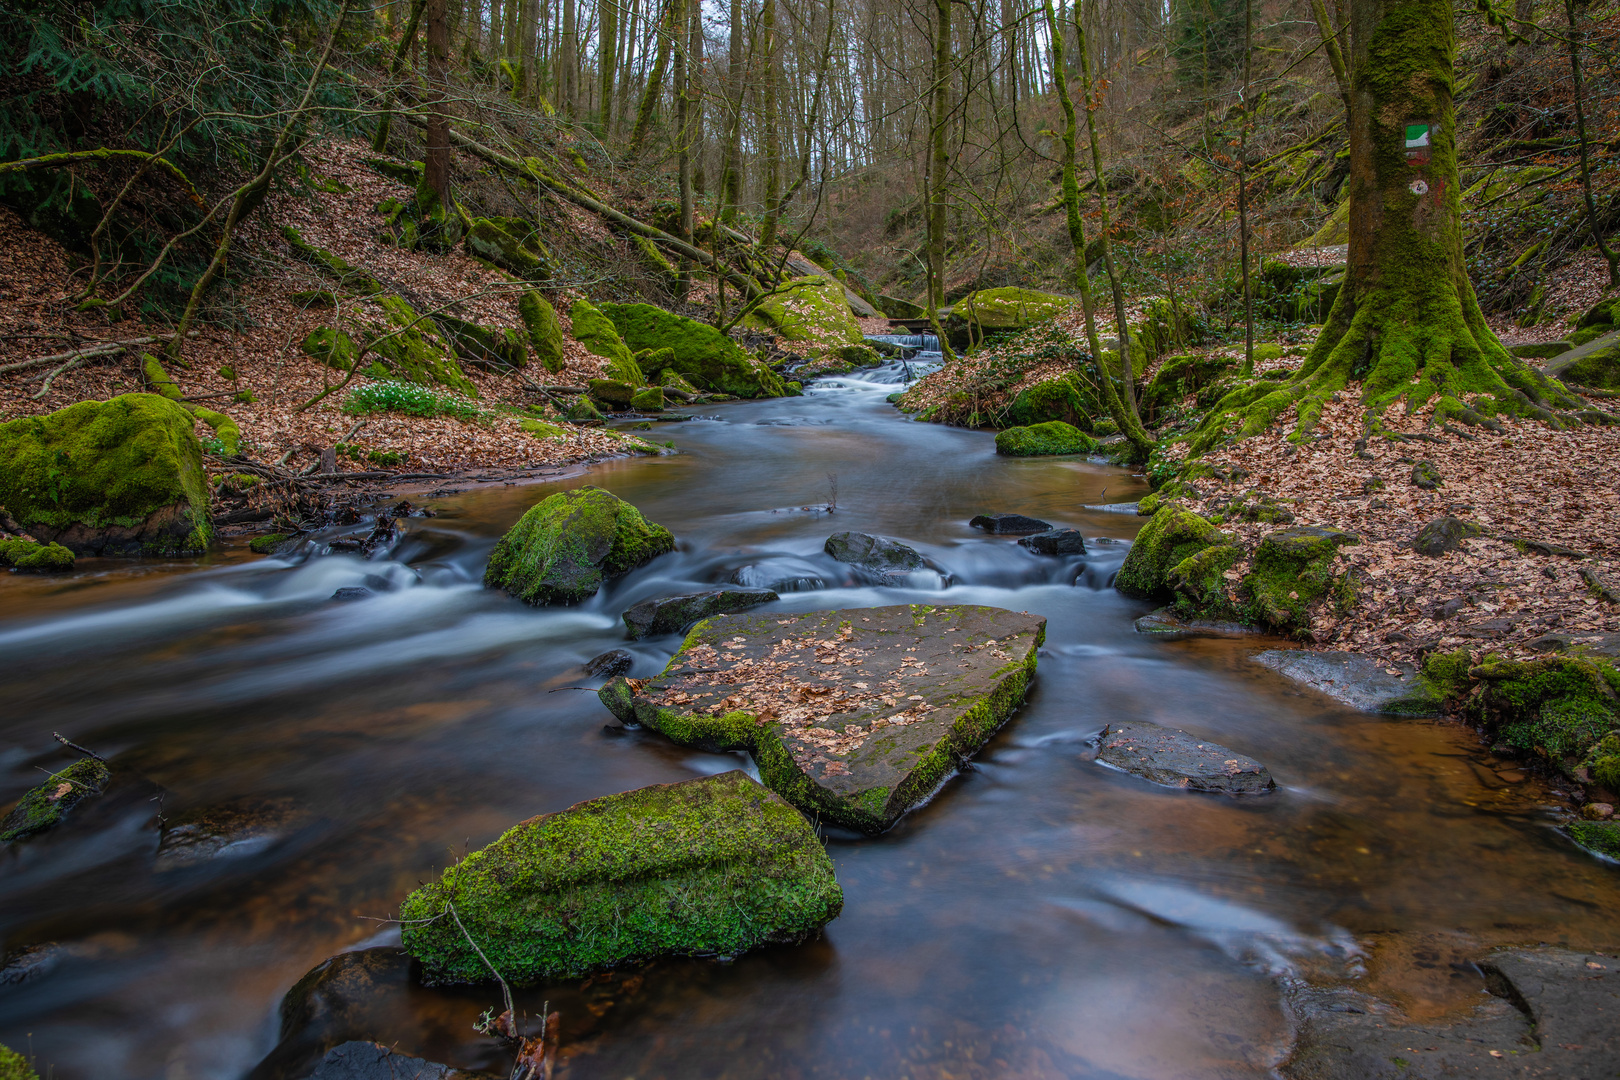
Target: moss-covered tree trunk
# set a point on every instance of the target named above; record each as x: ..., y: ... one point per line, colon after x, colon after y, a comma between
x: 1406, y: 325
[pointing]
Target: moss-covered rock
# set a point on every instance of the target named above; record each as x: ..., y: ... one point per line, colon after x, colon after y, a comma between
x: 268, y: 543
x: 567, y: 545
x: 699, y: 352
x: 1052, y: 437
x: 350, y: 277
x: 13, y: 1066
x: 515, y: 250
x: 117, y: 477
x: 544, y: 330
x: 583, y: 411
x: 648, y: 399
x: 42, y: 807
x: 709, y: 867
x: 410, y: 351
x: 596, y: 332
x: 1068, y: 398
x: 812, y: 313
x: 332, y: 347
x: 611, y: 392
x: 1182, y: 376
x: 1559, y: 707
x: 31, y: 556
x: 896, y: 308
x: 1171, y: 536
x: 1599, y: 837
x: 1599, y: 370
x: 494, y: 346
x: 990, y: 311
x: 1293, y: 569
x: 677, y: 614
x: 852, y: 716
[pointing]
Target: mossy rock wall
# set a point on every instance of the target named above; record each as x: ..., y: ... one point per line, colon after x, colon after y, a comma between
x: 594, y: 330
x: 707, y: 358
x: 709, y: 867
x: 565, y: 546
x: 117, y: 477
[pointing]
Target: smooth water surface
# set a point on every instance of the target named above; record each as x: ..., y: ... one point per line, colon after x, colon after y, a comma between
x: 1042, y: 917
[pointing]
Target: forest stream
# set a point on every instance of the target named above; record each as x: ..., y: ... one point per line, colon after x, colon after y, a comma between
x: 1042, y: 916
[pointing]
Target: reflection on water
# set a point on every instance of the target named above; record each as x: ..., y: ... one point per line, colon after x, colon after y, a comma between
x: 1041, y: 918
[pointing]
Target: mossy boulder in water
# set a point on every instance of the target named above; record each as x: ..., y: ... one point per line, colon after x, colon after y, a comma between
x: 29, y: 555
x: 1041, y: 440
x: 1293, y: 569
x: 648, y: 399
x: 117, y: 477
x: 13, y: 1066
x: 43, y: 807
x: 567, y: 545
x: 1600, y: 837
x: 709, y: 867
x: 544, y: 330
x: 709, y: 359
x: 1170, y: 536
x: 853, y: 716
x: 596, y: 332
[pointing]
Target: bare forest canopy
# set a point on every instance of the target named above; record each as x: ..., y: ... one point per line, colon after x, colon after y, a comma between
x: 902, y: 142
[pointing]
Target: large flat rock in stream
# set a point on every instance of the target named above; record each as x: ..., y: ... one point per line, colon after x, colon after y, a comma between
x: 854, y: 716
x: 1356, y: 680
x: 1554, y: 1014
x: 1176, y: 759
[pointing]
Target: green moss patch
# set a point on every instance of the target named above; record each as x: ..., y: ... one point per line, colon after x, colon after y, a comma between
x: 1172, y: 535
x: 1293, y: 569
x: 511, y: 245
x: 565, y: 546
x: 1599, y: 837
x: 854, y: 716
x: 13, y: 1066
x: 811, y: 311
x: 596, y: 332
x: 993, y: 310
x: 43, y: 807
x: 117, y: 477
x: 410, y: 350
x: 544, y: 329
x: 710, y: 360
x: 1038, y: 440
x: 709, y: 867
x: 1070, y: 399
x: 33, y: 556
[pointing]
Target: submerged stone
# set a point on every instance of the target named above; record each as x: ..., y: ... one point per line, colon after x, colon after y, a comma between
x: 607, y: 665
x: 117, y: 477
x: 876, y: 553
x: 43, y: 807
x: 855, y: 716
x: 674, y: 614
x: 1168, y: 625
x: 231, y: 831
x: 709, y: 867
x: 361, y: 1060
x: 1056, y: 542
x: 1357, y: 680
x: 1009, y: 524
x: 1175, y: 759
x: 567, y: 545
x: 353, y: 995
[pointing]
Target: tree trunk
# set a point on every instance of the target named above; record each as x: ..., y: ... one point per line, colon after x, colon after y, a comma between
x: 1406, y: 324
x: 668, y: 27
x: 1247, y: 371
x: 607, y: 44
x: 768, y: 123
x: 1592, y: 222
x: 434, y: 203
x: 407, y: 37
x: 731, y: 173
x: 694, y: 70
x: 1129, y: 425
x: 939, y: 162
x: 568, y: 61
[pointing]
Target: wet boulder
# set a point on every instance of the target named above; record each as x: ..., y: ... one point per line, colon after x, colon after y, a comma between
x: 117, y: 477
x: 878, y: 554
x: 44, y: 806
x: 708, y: 867
x: 353, y: 995
x: 1044, y: 440
x: 1009, y: 524
x: 853, y: 716
x: 1357, y: 680
x: 697, y: 351
x: 607, y: 665
x: 674, y: 614
x: 564, y: 548
x: 1444, y: 534
x: 1175, y: 759
x: 1056, y: 542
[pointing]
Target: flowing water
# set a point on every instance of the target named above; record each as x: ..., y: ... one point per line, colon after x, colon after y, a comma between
x: 1041, y: 917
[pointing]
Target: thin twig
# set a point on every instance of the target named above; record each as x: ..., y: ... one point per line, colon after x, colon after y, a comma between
x: 75, y: 746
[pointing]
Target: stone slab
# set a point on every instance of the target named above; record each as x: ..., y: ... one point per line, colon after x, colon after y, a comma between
x: 1356, y: 680
x: 1166, y: 625
x: 1176, y: 759
x: 1566, y: 360
x: 854, y: 716
x: 1553, y: 1014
